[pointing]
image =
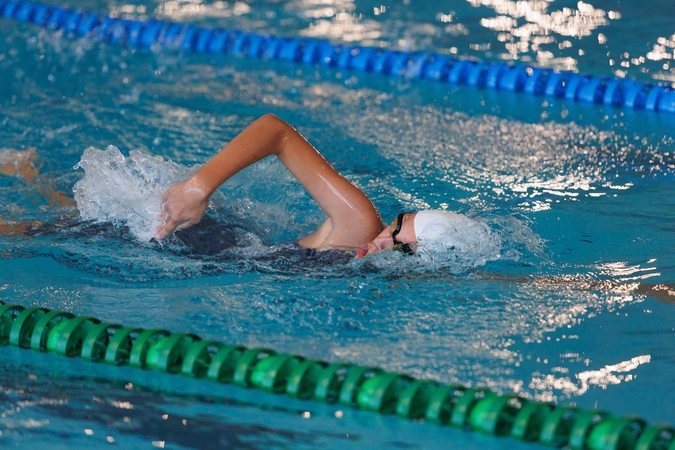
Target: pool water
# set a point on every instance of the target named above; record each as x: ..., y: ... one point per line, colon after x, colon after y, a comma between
x: 578, y: 197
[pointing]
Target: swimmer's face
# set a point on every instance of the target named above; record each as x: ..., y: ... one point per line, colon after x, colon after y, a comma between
x: 384, y: 241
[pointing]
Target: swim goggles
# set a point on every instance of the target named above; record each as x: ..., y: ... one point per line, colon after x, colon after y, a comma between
x: 395, y: 229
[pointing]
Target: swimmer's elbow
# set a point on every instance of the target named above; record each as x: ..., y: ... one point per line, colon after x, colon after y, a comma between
x: 269, y: 117
x: 271, y: 121
x: 282, y: 132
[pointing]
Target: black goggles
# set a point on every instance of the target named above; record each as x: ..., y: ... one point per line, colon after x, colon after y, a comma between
x: 395, y: 229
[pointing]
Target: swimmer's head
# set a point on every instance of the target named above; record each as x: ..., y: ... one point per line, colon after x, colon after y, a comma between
x: 408, y: 230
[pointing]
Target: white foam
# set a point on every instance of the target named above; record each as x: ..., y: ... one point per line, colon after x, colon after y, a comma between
x: 125, y: 190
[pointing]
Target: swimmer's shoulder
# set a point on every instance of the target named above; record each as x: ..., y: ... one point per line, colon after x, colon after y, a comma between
x: 331, y: 237
x: 317, y: 240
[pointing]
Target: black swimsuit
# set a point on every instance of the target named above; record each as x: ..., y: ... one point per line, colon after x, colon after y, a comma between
x: 206, y: 240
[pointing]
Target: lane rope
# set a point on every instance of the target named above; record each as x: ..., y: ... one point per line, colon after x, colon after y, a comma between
x: 611, y: 91
x: 366, y: 388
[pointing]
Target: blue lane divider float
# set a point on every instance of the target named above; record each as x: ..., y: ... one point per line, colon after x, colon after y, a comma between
x: 514, y: 78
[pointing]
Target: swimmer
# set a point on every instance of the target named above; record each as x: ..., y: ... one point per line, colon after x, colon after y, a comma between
x: 353, y: 221
x: 21, y: 164
x: 353, y: 224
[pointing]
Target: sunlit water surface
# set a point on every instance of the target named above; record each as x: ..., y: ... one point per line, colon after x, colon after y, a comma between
x: 578, y: 199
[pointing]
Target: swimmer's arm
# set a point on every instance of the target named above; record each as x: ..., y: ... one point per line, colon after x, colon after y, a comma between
x: 353, y: 219
x: 664, y: 293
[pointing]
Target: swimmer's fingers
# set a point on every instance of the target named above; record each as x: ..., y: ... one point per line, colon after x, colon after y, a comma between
x: 186, y: 224
x: 164, y: 230
x: 170, y: 225
x: 168, y: 215
x: 182, y: 206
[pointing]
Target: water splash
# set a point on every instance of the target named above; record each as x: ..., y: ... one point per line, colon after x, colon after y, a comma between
x: 125, y: 190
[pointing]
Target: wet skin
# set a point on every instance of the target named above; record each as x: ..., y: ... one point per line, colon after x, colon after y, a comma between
x: 353, y: 219
x: 384, y: 241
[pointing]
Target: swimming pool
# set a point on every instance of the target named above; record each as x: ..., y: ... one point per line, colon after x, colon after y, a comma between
x: 578, y: 195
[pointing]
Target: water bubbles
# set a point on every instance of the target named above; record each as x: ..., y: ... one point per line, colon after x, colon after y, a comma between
x: 125, y: 190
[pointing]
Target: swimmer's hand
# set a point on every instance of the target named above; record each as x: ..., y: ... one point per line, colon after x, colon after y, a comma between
x: 183, y: 205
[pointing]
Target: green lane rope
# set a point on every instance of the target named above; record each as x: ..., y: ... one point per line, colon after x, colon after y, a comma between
x: 366, y: 388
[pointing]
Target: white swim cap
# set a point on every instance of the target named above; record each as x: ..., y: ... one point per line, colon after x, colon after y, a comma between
x: 454, y: 241
x: 434, y: 224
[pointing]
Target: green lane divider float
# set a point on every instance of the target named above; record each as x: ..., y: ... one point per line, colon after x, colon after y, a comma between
x: 367, y: 388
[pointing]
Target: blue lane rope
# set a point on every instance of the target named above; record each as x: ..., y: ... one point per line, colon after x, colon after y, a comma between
x: 571, y: 86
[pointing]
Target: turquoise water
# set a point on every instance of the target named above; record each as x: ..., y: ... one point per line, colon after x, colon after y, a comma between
x: 580, y: 197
